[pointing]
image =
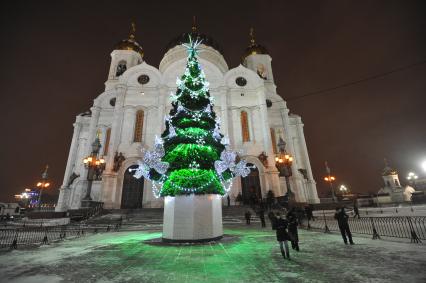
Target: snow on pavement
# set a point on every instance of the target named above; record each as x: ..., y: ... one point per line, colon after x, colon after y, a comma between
x: 255, y: 257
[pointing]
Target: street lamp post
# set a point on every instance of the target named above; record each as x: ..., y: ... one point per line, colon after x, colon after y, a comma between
x: 94, y: 166
x: 412, y: 177
x: 283, y: 161
x: 330, y: 179
x: 343, y: 190
x: 43, y: 184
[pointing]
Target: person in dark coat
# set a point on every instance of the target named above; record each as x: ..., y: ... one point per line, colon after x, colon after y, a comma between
x: 228, y: 199
x: 308, y: 212
x: 292, y: 228
x: 248, y: 217
x: 356, y: 210
x: 342, y: 220
x: 262, y: 217
x: 283, y: 236
x: 273, y: 219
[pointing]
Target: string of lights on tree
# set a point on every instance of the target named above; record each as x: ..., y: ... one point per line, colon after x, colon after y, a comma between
x: 191, y: 156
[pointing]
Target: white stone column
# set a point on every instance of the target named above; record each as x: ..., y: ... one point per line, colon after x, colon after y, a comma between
x: 224, y: 111
x: 92, y: 127
x: 63, y: 193
x: 116, y: 126
x: 265, y: 124
x: 311, y: 185
x: 129, y: 118
x: 109, y: 177
x: 72, y: 153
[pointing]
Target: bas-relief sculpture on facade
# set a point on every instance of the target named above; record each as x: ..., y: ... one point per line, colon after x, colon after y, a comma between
x: 139, y: 97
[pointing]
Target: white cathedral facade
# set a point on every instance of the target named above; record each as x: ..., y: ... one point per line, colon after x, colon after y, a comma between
x: 130, y: 113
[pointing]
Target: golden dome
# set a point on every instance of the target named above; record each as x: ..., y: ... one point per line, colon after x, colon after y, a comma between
x: 254, y: 48
x: 130, y: 43
x: 387, y: 171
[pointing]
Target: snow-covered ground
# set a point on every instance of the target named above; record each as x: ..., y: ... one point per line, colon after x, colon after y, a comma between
x: 255, y: 257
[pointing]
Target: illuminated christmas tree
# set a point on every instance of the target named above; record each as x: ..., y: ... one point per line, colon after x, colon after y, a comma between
x: 192, y: 156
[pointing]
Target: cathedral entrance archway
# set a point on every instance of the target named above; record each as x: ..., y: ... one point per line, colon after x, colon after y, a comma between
x: 132, y: 193
x: 250, y: 187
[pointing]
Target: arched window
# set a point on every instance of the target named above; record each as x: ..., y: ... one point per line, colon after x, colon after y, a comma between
x: 245, y: 126
x: 138, y: 126
x: 274, y: 140
x: 121, y: 68
x: 107, y: 137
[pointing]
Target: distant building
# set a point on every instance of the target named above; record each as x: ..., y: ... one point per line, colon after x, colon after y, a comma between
x: 393, y: 191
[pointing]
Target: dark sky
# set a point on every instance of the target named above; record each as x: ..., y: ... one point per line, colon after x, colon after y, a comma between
x: 55, y: 57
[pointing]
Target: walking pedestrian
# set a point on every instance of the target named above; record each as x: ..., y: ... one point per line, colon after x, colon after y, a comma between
x: 292, y: 228
x: 356, y: 210
x: 229, y: 200
x: 342, y: 220
x: 282, y: 236
x: 262, y: 217
x: 248, y: 217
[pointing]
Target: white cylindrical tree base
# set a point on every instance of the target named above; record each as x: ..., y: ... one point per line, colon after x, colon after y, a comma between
x: 192, y: 218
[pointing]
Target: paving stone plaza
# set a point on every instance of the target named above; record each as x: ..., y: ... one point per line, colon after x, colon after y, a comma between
x: 252, y: 255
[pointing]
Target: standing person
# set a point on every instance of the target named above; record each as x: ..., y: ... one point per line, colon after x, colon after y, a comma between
x: 262, y: 217
x: 229, y: 200
x: 292, y: 228
x: 282, y: 236
x: 248, y: 217
x: 356, y: 210
x: 273, y: 219
x: 308, y: 212
x: 270, y: 199
x: 342, y: 220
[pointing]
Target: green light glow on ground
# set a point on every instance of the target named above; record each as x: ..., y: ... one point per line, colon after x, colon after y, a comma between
x: 255, y: 257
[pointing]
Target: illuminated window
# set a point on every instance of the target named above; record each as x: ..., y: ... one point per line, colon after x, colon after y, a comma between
x: 274, y: 140
x: 138, y: 126
x: 107, y: 137
x: 245, y: 127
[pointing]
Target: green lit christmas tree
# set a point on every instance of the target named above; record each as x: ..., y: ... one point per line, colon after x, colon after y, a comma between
x: 192, y: 156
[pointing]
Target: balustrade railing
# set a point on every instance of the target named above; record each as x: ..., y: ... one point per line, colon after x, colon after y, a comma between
x: 14, y: 237
x: 409, y: 227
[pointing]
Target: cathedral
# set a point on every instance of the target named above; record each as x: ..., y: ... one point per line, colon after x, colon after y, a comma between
x: 129, y: 114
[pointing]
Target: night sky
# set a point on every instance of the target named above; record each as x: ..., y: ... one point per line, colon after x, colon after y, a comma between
x: 55, y: 59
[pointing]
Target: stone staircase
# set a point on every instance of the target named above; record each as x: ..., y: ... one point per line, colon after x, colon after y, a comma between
x: 152, y: 218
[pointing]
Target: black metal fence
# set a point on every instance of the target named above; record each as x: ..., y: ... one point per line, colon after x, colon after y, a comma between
x: 408, y: 227
x: 16, y: 237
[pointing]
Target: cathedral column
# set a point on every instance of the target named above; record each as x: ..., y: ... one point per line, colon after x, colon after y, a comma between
x: 93, y: 127
x: 92, y: 134
x: 265, y: 125
x: 312, y: 193
x: 116, y: 127
x: 271, y: 171
x: 109, y: 177
x: 72, y: 153
x: 62, y: 204
x: 224, y: 111
x: 129, y: 118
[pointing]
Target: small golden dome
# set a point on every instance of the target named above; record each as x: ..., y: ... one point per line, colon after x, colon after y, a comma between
x: 254, y: 48
x: 387, y: 171
x: 130, y: 43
